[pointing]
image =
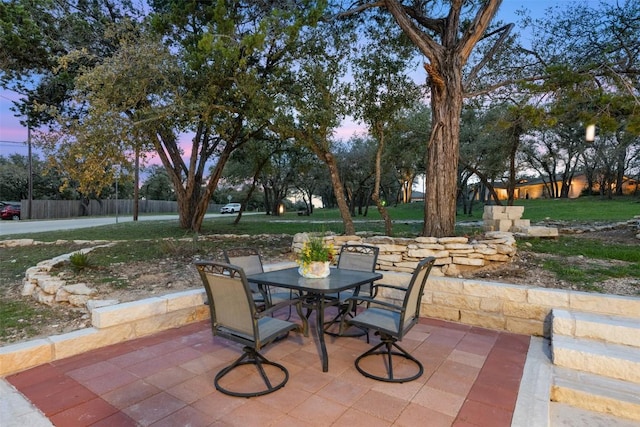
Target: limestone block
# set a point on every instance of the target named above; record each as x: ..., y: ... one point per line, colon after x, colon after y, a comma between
x: 485, y: 320
x: 80, y: 289
x: 24, y: 355
x: 475, y: 255
x: 524, y: 310
x: 377, y: 240
x: 432, y: 246
x: 423, y: 253
x: 556, y: 298
x: 385, y: 265
x: 83, y: 340
x: 175, y: 319
x: 514, y: 212
x: 462, y: 252
x: 32, y: 270
x: 538, y: 231
x: 392, y: 248
x: 525, y: 326
x: 14, y: 243
x: 390, y: 258
x: 28, y: 288
x: 506, y: 249
x: 485, y: 250
x: 427, y: 298
x: 497, y: 258
x: 444, y: 313
x: 521, y: 223
x: 493, y: 235
x: 607, y: 304
x: 459, y: 246
x: 495, y: 290
x: 185, y: 299
x: 43, y: 297
x: 496, y: 216
x: 468, y: 261
x: 78, y: 300
x: 492, y: 209
x: 92, y: 304
x: 427, y: 240
x: 493, y: 212
x: 443, y: 261
x: 408, y: 264
x: 51, y: 285
x: 562, y: 323
x: 492, y: 305
x: 105, y: 317
x: 452, y: 270
x: 444, y: 284
x: 460, y: 301
x: 396, y: 279
x: 453, y: 240
x: 605, y: 359
x: 403, y: 269
x: 436, y: 272
x: 62, y: 295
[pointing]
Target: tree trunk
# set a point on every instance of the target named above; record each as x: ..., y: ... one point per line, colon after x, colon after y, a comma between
x: 136, y: 188
x: 336, y: 182
x: 388, y: 225
x: 443, y: 149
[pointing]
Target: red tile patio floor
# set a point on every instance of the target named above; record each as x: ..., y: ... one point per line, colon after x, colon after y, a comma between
x: 472, y: 376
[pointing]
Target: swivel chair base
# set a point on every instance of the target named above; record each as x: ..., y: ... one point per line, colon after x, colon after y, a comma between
x: 252, y: 357
x: 389, y: 343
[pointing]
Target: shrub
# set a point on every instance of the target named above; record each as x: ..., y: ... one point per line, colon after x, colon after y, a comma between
x: 79, y: 261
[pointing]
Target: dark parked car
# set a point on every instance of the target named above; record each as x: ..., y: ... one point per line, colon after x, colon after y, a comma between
x: 10, y: 212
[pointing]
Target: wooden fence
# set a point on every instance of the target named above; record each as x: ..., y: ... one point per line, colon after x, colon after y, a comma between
x: 53, y: 209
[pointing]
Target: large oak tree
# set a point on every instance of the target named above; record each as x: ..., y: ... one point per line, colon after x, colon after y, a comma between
x: 446, y: 38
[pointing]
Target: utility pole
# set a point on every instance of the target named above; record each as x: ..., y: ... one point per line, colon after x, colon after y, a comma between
x: 30, y: 199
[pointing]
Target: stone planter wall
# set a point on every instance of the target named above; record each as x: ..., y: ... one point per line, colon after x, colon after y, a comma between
x: 454, y: 255
x: 49, y: 289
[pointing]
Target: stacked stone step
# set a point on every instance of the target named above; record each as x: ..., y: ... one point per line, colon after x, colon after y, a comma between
x: 508, y: 218
x: 597, y: 362
x: 504, y: 218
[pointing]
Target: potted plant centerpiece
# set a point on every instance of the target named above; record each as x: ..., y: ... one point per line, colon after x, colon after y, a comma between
x: 315, y: 258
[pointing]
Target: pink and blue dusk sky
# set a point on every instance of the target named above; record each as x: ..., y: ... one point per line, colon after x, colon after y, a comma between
x: 13, y: 135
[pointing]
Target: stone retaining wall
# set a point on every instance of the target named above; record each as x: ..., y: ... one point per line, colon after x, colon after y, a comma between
x: 454, y: 255
x: 498, y: 306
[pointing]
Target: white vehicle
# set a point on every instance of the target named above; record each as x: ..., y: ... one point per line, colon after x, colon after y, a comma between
x: 230, y: 208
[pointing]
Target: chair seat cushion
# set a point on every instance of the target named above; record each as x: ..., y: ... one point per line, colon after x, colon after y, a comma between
x: 272, y: 327
x: 378, y: 318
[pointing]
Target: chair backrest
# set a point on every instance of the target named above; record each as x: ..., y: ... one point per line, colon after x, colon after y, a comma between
x: 247, y: 258
x: 413, y: 296
x: 230, y: 301
x: 358, y: 257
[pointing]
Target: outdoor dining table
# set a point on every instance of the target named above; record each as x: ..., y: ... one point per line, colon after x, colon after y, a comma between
x: 314, y: 291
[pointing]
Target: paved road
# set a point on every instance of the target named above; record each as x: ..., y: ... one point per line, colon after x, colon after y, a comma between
x: 37, y: 226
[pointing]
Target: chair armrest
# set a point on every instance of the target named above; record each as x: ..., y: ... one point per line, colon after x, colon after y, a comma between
x: 377, y: 302
x: 278, y: 306
x: 384, y: 285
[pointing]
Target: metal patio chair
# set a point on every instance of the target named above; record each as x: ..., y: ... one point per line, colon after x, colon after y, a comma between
x: 234, y: 317
x: 352, y: 257
x: 391, y: 322
x: 251, y: 262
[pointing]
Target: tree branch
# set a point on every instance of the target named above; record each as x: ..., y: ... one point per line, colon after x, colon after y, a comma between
x: 504, y: 32
x: 475, y: 31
